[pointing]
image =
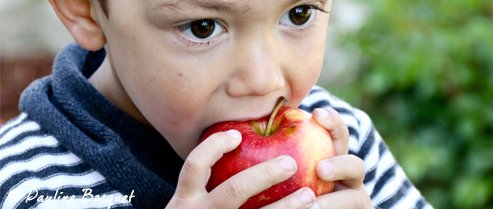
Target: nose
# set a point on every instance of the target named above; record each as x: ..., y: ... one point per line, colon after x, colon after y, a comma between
x: 257, y: 69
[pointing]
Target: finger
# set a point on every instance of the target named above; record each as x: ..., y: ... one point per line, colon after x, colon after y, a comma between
x: 345, y: 199
x: 348, y: 169
x: 332, y: 121
x: 196, y: 169
x: 253, y: 180
x: 303, y: 198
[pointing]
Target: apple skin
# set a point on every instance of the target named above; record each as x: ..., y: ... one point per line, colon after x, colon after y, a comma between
x: 295, y: 133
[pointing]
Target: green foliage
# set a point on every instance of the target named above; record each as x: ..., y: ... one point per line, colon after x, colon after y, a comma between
x: 424, y: 73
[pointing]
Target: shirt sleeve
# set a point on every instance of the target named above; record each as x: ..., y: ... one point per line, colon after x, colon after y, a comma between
x: 385, y: 181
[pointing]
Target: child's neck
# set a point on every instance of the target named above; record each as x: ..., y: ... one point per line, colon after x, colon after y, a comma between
x: 107, y: 83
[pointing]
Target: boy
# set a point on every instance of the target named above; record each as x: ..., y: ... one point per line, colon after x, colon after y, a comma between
x: 117, y: 123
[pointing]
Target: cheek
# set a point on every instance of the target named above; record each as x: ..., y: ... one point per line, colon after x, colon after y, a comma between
x: 174, y: 110
x: 163, y: 89
x: 306, y: 66
x: 169, y: 100
x: 302, y: 84
x: 160, y: 89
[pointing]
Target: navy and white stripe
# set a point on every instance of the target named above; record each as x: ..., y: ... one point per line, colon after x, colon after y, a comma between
x: 14, y: 122
x: 33, y: 161
x: 385, y: 181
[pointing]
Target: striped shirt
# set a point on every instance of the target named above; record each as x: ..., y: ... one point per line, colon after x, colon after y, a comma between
x: 67, y: 150
x: 37, y: 171
x: 385, y: 181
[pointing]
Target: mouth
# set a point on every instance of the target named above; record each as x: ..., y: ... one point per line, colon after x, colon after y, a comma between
x: 236, y: 120
x: 263, y: 124
x: 251, y: 111
x: 240, y: 117
x: 252, y: 118
x: 248, y: 114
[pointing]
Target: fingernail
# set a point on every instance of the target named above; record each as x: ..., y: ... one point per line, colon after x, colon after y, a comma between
x: 327, y: 169
x: 307, y: 196
x: 315, y: 206
x: 287, y: 163
x: 322, y: 113
x: 234, y: 134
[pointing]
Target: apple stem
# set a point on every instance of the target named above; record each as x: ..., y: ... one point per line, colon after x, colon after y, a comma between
x: 279, y: 103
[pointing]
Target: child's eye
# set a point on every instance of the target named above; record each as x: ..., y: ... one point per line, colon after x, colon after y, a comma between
x: 201, y: 30
x: 299, y: 16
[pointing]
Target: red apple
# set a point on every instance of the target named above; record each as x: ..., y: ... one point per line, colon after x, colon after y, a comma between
x: 288, y: 131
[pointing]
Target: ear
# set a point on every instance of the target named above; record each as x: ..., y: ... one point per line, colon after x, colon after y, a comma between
x: 78, y: 18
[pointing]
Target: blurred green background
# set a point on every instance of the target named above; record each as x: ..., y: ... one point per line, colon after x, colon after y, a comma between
x: 423, y: 71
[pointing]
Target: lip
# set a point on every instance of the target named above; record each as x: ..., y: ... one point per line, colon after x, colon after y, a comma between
x: 243, y: 118
x: 249, y: 113
x: 236, y: 119
x: 248, y: 118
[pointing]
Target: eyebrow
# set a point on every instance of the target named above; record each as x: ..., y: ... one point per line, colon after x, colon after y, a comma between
x: 218, y: 5
x: 212, y: 5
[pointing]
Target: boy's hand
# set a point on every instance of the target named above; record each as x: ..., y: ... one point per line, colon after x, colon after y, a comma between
x: 347, y: 170
x: 191, y: 192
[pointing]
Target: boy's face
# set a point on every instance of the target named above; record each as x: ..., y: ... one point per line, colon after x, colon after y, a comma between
x: 187, y: 64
